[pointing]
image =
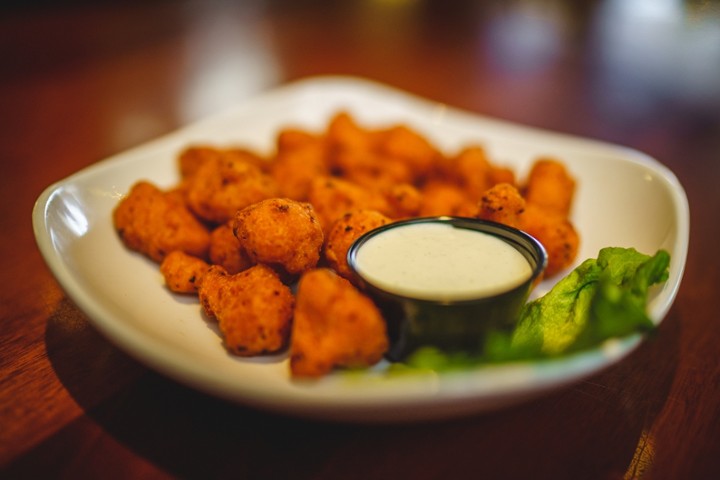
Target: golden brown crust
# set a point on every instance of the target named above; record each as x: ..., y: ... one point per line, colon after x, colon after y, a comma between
x: 280, y: 232
x: 253, y: 308
x: 222, y: 186
x: 555, y: 233
x: 155, y: 223
x: 295, y: 168
x: 226, y: 251
x: 503, y: 204
x: 404, y: 200
x: 183, y: 273
x: 550, y: 186
x: 345, y: 231
x: 333, y: 197
x: 335, y: 326
x: 444, y: 198
x: 472, y: 172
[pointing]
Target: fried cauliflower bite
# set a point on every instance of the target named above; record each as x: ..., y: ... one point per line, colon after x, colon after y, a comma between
x: 192, y: 158
x: 280, y: 232
x: 370, y: 170
x: 503, y: 204
x: 289, y: 139
x: 555, y: 233
x: 550, y: 186
x: 404, y: 200
x: 332, y: 197
x: 501, y: 174
x: 473, y: 171
x: 253, y: 309
x: 343, y: 133
x: 183, y: 273
x: 442, y: 198
x: 409, y: 147
x: 223, y: 185
x: 155, y: 223
x: 345, y: 231
x: 295, y: 168
x: 334, y: 326
x: 225, y: 250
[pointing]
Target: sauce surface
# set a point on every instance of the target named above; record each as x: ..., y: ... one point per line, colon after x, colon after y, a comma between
x: 434, y: 261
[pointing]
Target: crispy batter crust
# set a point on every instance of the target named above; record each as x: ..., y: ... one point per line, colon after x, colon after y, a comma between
x: 335, y: 326
x: 253, y: 308
x: 280, y: 232
x: 155, y: 224
x: 183, y: 273
x: 226, y: 251
x: 346, y: 230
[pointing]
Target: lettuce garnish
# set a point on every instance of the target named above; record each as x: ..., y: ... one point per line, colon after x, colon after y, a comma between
x: 602, y: 298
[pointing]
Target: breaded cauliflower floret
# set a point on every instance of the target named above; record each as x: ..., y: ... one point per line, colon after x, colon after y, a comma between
x: 409, y: 147
x: 555, y: 233
x: 225, y: 250
x: 296, y: 165
x: 550, y: 186
x: 333, y: 197
x: 335, y: 326
x: 404, y: 200
x: 222, y: 185
x: 156, y: 223
x: 444, y: 198
x: 503, y: 204
x: 473, y: 171
x: 253, y: 308
x: 345, y: 231
x: 280, y: 232
x: 183, y: 273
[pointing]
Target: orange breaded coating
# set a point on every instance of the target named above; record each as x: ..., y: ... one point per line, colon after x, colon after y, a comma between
x: 442, y: 198
x: 191, y: 158
x: 410, y: 147
x: 370, y: 170
x: 473, y: 171
x: 222, y: 186
x: 503, y: 204
x: 500, y: 174
x: 332, y: 197
x: 280, y: 232
x: 404, y: 200
x: 335, y: 326
x: 253, y: 308
x: 292, y: 138
x: 345, y: 231
x: 183, y: 273
x: 295, y: 168
x: 550, y: 186
x: 555, y: 233
x: 343, y: 133
x: 155, y: 223
x: 225, y: 250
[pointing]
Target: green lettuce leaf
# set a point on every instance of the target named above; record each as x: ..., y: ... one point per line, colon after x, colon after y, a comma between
x: 600, y: 299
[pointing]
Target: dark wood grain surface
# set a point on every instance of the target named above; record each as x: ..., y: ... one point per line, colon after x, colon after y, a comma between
x: 80, y: 81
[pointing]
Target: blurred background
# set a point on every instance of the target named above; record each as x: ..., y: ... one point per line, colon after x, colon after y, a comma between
x: 612, y: 69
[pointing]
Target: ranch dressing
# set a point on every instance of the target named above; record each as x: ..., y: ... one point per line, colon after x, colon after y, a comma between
x: 434, y: 261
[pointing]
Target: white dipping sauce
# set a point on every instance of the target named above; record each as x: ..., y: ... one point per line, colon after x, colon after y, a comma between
x: 435, y: 261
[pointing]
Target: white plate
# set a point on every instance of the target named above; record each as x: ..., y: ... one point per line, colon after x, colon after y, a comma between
x: 625, y: 198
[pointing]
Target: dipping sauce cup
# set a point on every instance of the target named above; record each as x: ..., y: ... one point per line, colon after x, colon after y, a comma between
x: 446, y: 281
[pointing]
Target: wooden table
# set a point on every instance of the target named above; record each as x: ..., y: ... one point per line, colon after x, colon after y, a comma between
x: 80, y: 82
